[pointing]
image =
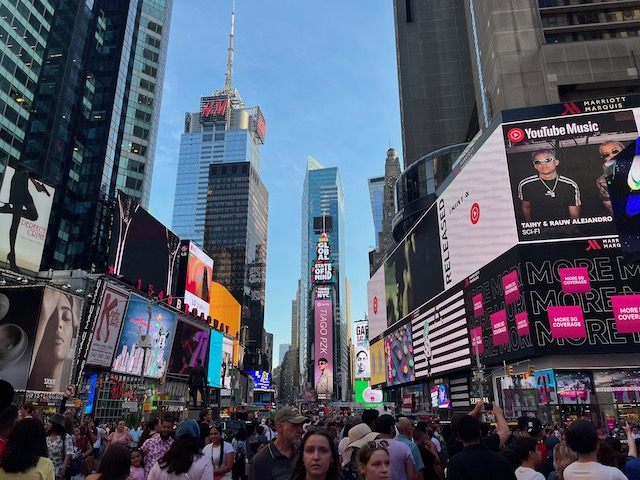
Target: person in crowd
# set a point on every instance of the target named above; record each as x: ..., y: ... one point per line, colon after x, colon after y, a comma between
x: 219, y: 452
x: 26, y: 411
x: 405, y: 432
x: 197, y: 381
x: 154, y: 448
x: 550, y: 441
x: 402, y: 463
x: 344, y: 453
x: 610, y: 453
x: 120, y: 436
x: 240, y: 449
x: 83, y: 445
x: 8, y: 412
x: 136, y: 471
x: 184, y: 459
x: 525, y: 451
x: 476, y: 461
x: 135, y: 433
x: 563, y: 456
x: 374, y: 460
x: 150, y: 429
x: 430, y: 458
x: 25, y: 456
x: 369, y: 416
x: 359, y: 435
x: 582, y: 438
x: 318, y: 459
x: 206, y: 416
x: 275, y: 461
x: 59, y: 444
x: 115, y: 465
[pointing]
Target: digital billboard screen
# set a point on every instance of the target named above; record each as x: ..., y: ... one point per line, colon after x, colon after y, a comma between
x: 363, y: 367
x: 261, y: 379
x: 398, y: 348
x: 191, y: 343
x: 376, y: 304
x: 440, y: 396
x: 196, y: 272
x: 214, y: 369
x: 558, y: 184
x: 143, y: 251
x: 107, y: 327
x: 377, y: 359
x: 323, y: 344
x: 19, y: 314
x: 54, y: 348
x: 25, y: 208
x: 141, y: 317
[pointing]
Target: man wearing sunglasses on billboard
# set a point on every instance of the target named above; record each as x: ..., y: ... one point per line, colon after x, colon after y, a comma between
x: 548, y: 195
x: 608, y: 150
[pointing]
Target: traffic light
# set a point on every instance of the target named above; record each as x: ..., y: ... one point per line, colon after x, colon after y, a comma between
x: 530, y: 369
x: 509, y: 370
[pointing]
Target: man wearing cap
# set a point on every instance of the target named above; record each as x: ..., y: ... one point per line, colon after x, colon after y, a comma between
x: 275, y: 461
x: 403, y: 466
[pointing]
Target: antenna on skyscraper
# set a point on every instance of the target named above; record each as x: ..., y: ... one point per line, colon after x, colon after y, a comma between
x: 227, y: 81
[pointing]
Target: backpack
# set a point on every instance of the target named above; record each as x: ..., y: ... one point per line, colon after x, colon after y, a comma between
x: 351, y: 471
x: 240, y: 455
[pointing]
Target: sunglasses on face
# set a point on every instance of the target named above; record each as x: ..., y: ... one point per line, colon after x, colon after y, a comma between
x: 613, y: 153
x: 373, y: 444
x: 544, y: 160
x: 322, y: 363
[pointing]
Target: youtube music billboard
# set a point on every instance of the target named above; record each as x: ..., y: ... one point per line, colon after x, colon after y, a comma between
x: 194, y: 277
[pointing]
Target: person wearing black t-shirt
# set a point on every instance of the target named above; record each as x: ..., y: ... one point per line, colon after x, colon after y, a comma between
x: 547, y: 195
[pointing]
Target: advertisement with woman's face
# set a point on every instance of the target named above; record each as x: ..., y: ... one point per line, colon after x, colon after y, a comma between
x: 55, y: 341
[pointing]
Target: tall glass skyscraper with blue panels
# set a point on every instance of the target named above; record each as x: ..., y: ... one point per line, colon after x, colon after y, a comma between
x: 224, y: 131
x: 80, y: 94
x: 323, y: 195
x: 376, y: 196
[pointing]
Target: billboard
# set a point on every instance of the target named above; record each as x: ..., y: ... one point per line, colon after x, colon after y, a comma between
x: 141, y: 317
x: 25, y: 208
x: 590, y: 322
x: 54, y: 345
x: 225, y: 311
x: 323, y: 271
x: 107, y: 327
x: 440, y: 338
x: 259, y: 124
x: 363, y: 367
x: 190, y: 343
x: 376, y: 308
x: 214, y: 109
x: 411, y: 274
x: 19, y: 313
x: 573, y: 388
x: 215, y: 359
x: 196, y: 272
x: 556, y: 165
x: 439, y: 395
x: 323, y: 344
x: 227, y: 361
x: 143, y: 251
x: 398, y: 349
x: 261, y: 379
x: 378, y: 365
x: 472, y: 209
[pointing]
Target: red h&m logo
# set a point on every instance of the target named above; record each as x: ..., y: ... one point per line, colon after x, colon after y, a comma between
x: 593, y: 245
x: 571, y: 109
x: 214, y: 108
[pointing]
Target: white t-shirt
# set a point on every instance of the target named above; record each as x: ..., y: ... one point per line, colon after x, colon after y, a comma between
x: 526, y: 473
x: 214, y: 453
x: 200, y: 469
x: 592, y: 471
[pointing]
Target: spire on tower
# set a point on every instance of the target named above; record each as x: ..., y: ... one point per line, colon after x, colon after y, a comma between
x: 227, y: 82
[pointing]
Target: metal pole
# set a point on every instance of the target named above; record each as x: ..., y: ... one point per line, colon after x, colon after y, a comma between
x: 479, y: 367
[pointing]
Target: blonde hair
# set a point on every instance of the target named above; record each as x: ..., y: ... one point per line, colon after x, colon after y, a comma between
x: 563, y: 456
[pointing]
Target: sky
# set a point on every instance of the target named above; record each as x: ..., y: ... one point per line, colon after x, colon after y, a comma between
x: 325, y: 77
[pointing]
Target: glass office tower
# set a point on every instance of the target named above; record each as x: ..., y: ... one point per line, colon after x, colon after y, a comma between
x: 80, y: 102
x: 323, y: 196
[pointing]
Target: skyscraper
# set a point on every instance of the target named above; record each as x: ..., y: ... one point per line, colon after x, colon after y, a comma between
x: 80, y: 99
x: 323, y: 213
x: 434, y: 75
x: 221, y: 202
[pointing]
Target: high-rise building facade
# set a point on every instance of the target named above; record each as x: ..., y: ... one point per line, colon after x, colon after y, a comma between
x: 80, y: 101
x: 323, y: 212
x: 221, y: 202
x: 539, y: 52
x: 437, y: 104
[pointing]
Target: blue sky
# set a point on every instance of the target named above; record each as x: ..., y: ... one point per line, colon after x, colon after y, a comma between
x: 325, y: 76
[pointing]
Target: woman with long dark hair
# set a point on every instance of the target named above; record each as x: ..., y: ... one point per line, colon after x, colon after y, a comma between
x: 26, y: 452
x: 318, y: 459
x: 184, y: 459
x: 59, y: 444
x: 115, y: 464
x: 219, y: 452
x: 150, y: 429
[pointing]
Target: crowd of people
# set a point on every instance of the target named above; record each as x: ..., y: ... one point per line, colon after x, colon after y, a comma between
x: 291, y: 446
